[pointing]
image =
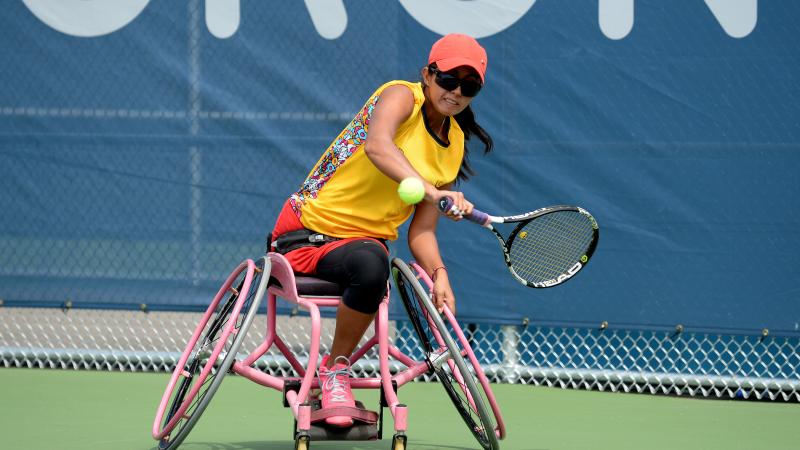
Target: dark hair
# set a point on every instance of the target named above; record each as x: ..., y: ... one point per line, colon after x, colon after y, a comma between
x: 466, y: 120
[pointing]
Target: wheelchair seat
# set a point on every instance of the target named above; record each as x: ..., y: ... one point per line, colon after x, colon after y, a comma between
x: 312, y: 287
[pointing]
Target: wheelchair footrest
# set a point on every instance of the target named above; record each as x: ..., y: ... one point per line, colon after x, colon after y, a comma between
x: 359, y: 414
x: 365, y: 425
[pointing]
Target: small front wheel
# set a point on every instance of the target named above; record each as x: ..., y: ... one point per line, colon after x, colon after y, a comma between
x: 302, y: 441
x: 399, y: 442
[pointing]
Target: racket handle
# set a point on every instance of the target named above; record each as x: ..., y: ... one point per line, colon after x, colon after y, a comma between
x: 479, y: 217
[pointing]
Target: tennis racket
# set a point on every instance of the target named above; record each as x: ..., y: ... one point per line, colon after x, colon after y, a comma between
x: 547, y: 247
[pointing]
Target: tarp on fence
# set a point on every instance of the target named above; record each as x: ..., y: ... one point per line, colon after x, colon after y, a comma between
x: 146, y: 149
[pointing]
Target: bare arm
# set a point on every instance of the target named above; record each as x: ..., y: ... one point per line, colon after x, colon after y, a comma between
x: 425, y: 248
x: 393, y: 108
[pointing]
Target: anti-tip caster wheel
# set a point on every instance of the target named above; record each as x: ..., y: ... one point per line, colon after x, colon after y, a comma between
x: 399, y: 442
x: 302, y: 441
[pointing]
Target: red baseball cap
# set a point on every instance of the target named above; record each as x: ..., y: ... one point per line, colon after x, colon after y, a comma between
x: 455, y: 50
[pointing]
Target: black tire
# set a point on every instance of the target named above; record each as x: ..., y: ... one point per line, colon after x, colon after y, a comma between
x: 424, y: 318
x: 302, y: 442
x: 398, y: 442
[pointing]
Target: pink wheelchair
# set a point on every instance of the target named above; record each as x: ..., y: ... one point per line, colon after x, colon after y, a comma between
x: 212, y: 352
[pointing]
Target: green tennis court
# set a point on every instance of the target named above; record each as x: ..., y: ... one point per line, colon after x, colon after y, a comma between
x: 48, y: 409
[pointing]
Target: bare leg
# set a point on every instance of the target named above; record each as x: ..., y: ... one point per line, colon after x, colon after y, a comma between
x: 350, y: 328
x: 363, y: 269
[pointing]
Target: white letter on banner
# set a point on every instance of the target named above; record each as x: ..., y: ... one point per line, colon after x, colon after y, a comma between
x: 86, y: 18
x: 328, y: 16
x: 615, y: 18
x: 477, y: 18
x: 223, y: 17
x: 737, y: 17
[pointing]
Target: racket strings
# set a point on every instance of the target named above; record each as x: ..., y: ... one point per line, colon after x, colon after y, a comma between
x: 549, y: 246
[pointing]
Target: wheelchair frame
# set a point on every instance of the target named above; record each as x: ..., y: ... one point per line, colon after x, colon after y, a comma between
x: 212, y: 352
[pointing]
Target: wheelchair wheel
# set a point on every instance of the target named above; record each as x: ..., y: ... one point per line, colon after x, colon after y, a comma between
x: 399, y: 442
x: 210, y: 352
x: 446, y: 358
x: 302, y: 442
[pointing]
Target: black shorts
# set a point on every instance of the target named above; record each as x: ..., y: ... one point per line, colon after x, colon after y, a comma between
x: 362, y: 268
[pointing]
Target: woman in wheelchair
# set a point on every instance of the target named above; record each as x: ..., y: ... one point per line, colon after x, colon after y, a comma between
x: 336, y: 225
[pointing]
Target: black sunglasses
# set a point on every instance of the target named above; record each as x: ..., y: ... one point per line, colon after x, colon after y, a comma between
x: 449, y: 82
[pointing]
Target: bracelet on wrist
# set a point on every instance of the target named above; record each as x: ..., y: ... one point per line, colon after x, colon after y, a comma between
x: 433, y: 272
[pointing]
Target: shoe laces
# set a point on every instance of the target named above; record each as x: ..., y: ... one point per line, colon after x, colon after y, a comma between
x: 336, y: 381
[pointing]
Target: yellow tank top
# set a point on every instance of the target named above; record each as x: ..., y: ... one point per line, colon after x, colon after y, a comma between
x: 345, y: 195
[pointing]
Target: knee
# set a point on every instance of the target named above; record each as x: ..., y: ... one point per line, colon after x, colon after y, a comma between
x: 368, y: 270
x: 371, y: 271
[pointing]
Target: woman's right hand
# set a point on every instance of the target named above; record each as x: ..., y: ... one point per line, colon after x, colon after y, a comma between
x: 461, y: 204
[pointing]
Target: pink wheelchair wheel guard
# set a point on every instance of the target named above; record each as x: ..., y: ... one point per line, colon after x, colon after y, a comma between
x: 160, y: 432
x: 500, y: 429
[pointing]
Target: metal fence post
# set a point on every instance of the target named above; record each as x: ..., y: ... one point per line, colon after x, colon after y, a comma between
x: 510, y: 350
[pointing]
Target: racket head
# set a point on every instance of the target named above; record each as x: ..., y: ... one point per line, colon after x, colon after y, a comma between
x: 551, y: 246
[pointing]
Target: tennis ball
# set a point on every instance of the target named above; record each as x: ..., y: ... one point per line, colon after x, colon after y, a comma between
x: 411, y: 190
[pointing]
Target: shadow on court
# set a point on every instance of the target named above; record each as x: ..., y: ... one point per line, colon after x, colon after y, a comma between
x: 320, y: 445
x: 90, y: 410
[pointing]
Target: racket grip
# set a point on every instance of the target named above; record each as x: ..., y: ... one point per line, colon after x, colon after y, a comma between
x: 479, y: 217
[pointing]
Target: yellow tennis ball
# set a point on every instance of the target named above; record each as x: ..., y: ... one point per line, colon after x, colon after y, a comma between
x: 411, y: 190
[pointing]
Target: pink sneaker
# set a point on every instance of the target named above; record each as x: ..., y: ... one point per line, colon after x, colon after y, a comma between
x: 335, y: 384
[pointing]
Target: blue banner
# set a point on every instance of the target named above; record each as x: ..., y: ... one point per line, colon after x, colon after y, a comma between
x: 146, y: 148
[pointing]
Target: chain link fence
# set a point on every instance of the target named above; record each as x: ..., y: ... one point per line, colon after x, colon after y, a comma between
x: 137, y: 167
x: 692, y: 364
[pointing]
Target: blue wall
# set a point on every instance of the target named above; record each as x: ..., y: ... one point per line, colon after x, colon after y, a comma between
x: 140, y: 166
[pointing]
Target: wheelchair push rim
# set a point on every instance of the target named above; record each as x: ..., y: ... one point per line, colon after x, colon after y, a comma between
x: 446, y: 358
x: 190, y: 390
